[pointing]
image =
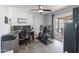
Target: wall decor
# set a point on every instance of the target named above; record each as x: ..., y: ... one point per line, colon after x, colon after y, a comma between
x: 22, y: 20
x: 6, y: 20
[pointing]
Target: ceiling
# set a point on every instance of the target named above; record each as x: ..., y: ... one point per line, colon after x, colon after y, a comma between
x: 51, y: 7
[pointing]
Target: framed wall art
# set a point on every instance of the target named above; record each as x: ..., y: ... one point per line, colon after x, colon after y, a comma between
x: 22, y: 20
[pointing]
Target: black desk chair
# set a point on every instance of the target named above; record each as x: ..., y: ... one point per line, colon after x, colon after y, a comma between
x: 24, y: 36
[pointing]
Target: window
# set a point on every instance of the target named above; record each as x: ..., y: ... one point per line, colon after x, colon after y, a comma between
x: 60, y: 23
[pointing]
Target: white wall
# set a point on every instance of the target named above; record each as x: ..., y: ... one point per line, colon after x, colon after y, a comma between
x: 48, y: 19
x: 3, y: 13
x: 18, y: 13
x: 38, y: 20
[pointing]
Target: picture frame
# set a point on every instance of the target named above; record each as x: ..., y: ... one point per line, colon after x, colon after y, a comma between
x: 6, y: 20
x: 22, y: 20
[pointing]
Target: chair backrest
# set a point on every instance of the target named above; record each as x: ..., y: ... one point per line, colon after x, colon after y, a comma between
x: 45, y: 30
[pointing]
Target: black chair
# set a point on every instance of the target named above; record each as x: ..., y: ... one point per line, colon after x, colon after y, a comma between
x: 24, y: 36
x: 43, y: 36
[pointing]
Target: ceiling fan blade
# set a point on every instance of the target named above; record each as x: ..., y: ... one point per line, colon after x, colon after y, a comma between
x: 34, y: 9
x: 46, y: 10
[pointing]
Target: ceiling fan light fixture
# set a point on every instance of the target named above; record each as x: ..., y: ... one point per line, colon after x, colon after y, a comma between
x: 40, y: 10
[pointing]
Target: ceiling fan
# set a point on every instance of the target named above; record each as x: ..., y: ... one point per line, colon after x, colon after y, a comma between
x: 40, y: 9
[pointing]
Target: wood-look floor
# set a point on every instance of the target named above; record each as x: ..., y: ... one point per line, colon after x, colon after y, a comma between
x: 38, y: 47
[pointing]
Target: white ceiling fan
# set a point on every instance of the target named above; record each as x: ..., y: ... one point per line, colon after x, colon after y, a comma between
x: 40, y: 9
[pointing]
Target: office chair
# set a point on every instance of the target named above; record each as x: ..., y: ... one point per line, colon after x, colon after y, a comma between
x: 24, y: 36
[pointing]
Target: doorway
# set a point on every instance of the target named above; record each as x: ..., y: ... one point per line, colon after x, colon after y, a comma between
x: 60, y: 21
